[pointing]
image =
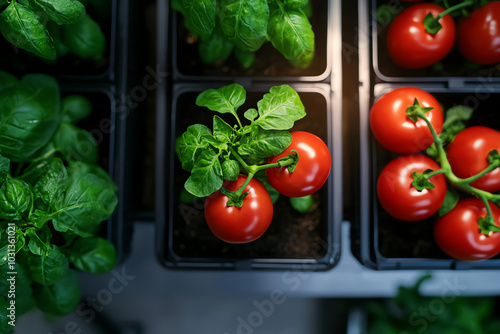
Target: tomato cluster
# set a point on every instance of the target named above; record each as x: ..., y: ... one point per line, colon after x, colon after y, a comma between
x: 412, y: 43
x: 413, y: 186
x: 247, y: 223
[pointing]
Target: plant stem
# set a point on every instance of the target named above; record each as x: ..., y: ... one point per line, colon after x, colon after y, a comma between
x: 245, y: 184
x: 453, y: 8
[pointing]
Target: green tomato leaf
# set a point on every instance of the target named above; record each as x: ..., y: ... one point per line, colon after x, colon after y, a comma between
x: 46, y: 91
x: 450, y: 200
x: 265, y: 143
x: 291, y: 34
x: 90, y: 199
x: 251, y: 114
x: 245, y: 22
x: 85, y: 38
x: 47, y: 270
x: 216, y: 47
x: 26, y: 122
x: 222, y: 130
x: 4, y: 168
x: 75, y: 108
x: 295, y: 4
x: 190, y: 145
x: 273, y: 193
x: 20, y: 26
x: 206, y: 176
x: 230, y: 170
x: 50, y: 186
x: 39, y: 243
x: 61, y: 298
x: 5, y: 250
x: 93, y: 255
x: 279, y: 109
x: 216, y: 143
x: 201, y: 16
x: 75, y: 144
x: 457, y: 113
x: 302, y: 204
x: 62, y: 11
x: 15, y: 199
x: 226, y: 99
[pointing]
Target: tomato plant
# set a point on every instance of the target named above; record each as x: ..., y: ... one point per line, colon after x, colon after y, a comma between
x: 458, y: 235
x: 479, y: 34
x: 244, y: 224
x: 310, y: 172
x: 394, y: 130
x: 400, y: 196
x: 468, y: 155
x: 413, y: 43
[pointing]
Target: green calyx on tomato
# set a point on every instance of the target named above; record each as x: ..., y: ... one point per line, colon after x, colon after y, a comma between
x: 431, y: 23
x: 227, y: 162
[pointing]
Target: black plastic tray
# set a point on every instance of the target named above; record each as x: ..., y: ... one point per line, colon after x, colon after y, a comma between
x: 70, y: 68
x: 176, y: 248
x: 384, y: 70
x: 186, y: 64
x: 386, y: 243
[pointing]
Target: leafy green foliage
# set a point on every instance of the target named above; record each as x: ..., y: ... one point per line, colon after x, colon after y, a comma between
x: 52, y: 28
x: 218, y: 155
x: 50, y: 196
x: 410, y: 312
x: 245, y: 25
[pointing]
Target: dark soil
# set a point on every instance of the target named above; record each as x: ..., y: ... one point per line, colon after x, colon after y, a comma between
x: 269, y: 62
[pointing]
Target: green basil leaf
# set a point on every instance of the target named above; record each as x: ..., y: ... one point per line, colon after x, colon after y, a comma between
x: 216, y: 47
x: 93, y: 255
x: 450, y: 200
x: 230, y: 170
x: 39, y: 243
x: 85, y: 38
x: 4, y: 168
x: 75, y: 144
x: 47, y: 270
x: 295, y: 4
x: 62, y: 11
x: 217, y: 143
x: 190, y: 145
x: 75, y: 108
x: 201, y: 16
x: 291, y: 34
x: 226, y: 99
x: 15, y: 199
x: 246, y: 58
x: 302, y: 204
x: 7, y: 80
x: 46, y: 91
x: 265, y: 143
x: 62, y: 297
x: 51, y: 184
x: 27, y: 125
x: 222, y: 130
x: 279, y: 109
x: 206, y: 176
x: 245, y: 22
x: 19, y: 25
x: 5, y: 250
x: 251, y: 114
x: 55, y: 32
x: 90, y: 198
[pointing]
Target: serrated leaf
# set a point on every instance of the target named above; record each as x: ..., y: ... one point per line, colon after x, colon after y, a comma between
x: 279, y: 109
x: 206, y: 175
x: 265, y: 143
x: 226, y: 99
x: 190, y: 145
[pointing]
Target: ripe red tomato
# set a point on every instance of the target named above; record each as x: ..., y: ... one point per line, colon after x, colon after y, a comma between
x: 402, y: 200
x: 468, y: 155
x: 479, y: 35
x: 457, y: 232
x: 240, y: 225
x: 311, y: 171
x: 411, y: 46
x: 394, y: 130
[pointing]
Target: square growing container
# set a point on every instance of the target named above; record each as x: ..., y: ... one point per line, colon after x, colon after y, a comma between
x: 107, y: 14
x: 186, y: 64
x: 385, y: 242
x: 311, y: 240
x: 454, y: 69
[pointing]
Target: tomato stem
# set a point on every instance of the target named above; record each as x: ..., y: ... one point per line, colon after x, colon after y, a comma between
x: 454, y: 8
x: 431, y: 23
